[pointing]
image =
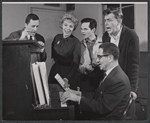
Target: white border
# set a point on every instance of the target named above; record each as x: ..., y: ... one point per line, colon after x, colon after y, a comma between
x: 74, y: 2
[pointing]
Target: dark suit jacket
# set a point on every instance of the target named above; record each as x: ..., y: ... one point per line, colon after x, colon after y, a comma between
x: 17, y: 34
x: 129, y: 54
x: 110, y: 99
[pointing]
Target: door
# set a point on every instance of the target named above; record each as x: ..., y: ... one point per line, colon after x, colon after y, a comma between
x: 49, y: 27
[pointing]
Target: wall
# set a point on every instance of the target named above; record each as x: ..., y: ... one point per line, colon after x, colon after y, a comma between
x: 13, y: 18
x: 141, y: 25
x: 91, y: 11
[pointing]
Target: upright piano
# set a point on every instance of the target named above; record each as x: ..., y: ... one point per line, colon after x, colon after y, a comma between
x: 17, y: 96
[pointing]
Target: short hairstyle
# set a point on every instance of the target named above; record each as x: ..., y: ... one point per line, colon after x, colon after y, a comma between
x: 69, y: 17
x: 111, y: 49
x: 31, y: 17
x: 116, y: 11
x: 93, y: 23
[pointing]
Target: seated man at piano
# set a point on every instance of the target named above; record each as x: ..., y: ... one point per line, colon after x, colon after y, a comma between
x: 111, y: 98
x: 29, y: 32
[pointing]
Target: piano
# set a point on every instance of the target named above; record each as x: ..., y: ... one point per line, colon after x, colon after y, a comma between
x: 18, y: 97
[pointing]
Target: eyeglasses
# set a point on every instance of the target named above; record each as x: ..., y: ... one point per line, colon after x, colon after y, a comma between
x: 100, y: 56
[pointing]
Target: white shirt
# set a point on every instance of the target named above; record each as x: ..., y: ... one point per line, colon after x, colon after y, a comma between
x: 108, y: 71
x: 115, y: 39
x: 31, y: 37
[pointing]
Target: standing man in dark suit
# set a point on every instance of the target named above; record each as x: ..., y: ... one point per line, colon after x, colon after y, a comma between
x: 128, y: 43
x: 109, y: 100
x: 29, y: 32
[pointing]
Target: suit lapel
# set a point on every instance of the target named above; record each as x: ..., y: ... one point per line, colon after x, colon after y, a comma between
x: 35, y: 37
x: 122, y: 38
x: 107, y: 38
x: 103, y: 86
x: 110, y: 75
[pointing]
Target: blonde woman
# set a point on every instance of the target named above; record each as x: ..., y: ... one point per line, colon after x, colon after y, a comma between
x: 66, y: 49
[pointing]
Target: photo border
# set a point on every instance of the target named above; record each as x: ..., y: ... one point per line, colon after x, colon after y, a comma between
x: 147, y: 121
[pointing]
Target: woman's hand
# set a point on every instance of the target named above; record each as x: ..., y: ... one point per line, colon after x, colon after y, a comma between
x: 66, y: 85
x: 85, y: 68
x: 82, y: 69
x: 89, y: 68
x: 95, y: 63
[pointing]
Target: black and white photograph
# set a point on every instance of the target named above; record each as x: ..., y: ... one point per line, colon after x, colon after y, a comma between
x: 75, y: 61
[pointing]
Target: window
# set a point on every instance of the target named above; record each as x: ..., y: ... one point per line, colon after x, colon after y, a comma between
x: 128, y: 13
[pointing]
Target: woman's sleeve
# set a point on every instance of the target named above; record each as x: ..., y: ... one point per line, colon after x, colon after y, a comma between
x: 43, y: 56
x: 52, y: 48
x: 76, y: 60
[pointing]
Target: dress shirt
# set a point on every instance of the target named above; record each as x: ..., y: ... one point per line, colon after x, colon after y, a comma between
x: 30, y: 37
x: 115, y: 39
x: 90, y: 45
x: 106, y: 74
x: 85, y: 54
x: 108, y: 71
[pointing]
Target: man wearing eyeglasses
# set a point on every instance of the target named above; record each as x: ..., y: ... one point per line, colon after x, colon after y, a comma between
x: 128, y: 43
x: 109, y: 100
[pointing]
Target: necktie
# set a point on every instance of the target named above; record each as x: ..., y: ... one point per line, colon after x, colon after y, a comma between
x: 30, y: 37
x: 102, y: 79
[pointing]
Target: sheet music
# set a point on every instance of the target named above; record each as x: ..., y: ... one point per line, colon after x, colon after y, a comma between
x: 60, y: 81
x: 34, y: 87
x: 38, y: 83
x: 43, y: 72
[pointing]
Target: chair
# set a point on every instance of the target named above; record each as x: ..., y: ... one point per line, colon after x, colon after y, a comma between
x: 131, y: 117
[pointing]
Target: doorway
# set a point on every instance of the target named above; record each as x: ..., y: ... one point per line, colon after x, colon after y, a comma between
x: 49, y: 27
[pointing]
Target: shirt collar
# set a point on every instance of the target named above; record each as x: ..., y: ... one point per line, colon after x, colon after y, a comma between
x: 117, y: 36
x: 33, y: 38
x: 66, y: 39
x: 94, y: 40
x: 84, y: 41
x: 108, y: 71
x: 28, y: 36
x: 98, y: 41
